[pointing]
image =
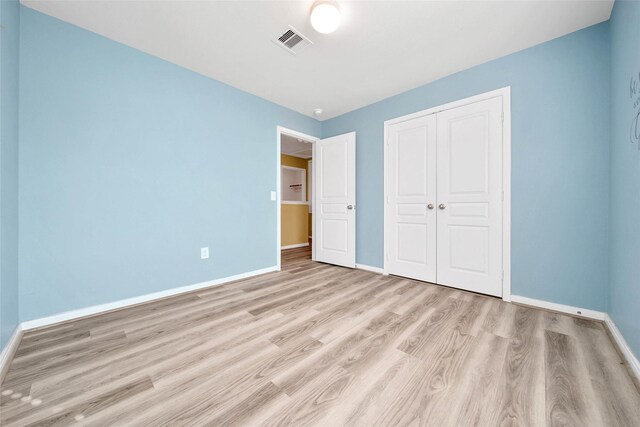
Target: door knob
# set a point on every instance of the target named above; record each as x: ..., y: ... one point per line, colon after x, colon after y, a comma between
x: 430, y: 206
x: 349, y: 207
x: 441, y: 206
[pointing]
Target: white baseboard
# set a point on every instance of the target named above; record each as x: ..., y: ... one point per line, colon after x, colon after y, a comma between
x: 369, y: 268
x: 102, y: 308
x: 297, y: 245
x: 9, y: 350
x: 631, y: 359
x: 577, y: 311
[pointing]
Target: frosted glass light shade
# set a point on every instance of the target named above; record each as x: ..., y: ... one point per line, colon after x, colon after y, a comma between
x: 325, y: 17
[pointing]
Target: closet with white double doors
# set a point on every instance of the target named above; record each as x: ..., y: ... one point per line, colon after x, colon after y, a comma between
x: 444, y: 197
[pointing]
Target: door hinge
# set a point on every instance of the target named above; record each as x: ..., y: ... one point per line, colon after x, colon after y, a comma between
x: 503, y: 196
x: 502, y: 116
x: 502, y: 278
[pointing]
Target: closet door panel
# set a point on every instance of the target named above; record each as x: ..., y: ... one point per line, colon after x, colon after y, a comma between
x: 411, y: 197
x: 469, y: 224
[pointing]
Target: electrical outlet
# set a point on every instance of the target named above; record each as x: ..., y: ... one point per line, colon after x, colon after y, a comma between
x: 204, y: 253
x: 273, y: 196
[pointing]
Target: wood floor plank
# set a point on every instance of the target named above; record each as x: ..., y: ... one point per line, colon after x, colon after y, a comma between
x: 129, y: 358
x: 523, y: 373
x: 294, y: 379
x: 606, y: 367
x: 313, y: 402
x: 566, y: 403
x: 424, y: 395
x: 316, y: 344
x: 479, y: 396
x: 217, y: 392
x: 79, y: 412
x: 246, y: 409
x: 436, y: 325
x: 369, y: 399
x: 500, y: 319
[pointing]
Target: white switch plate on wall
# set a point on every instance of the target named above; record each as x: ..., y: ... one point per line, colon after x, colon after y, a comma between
x: 273, y: 196
x: 204, y: 253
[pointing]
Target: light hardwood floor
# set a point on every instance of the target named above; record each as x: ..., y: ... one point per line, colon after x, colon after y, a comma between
x: 321, y: 345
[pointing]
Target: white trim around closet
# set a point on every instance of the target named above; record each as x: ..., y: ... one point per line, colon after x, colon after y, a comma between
x: 505, y: 94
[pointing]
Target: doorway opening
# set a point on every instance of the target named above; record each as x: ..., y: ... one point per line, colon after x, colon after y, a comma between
x: 295, y: 189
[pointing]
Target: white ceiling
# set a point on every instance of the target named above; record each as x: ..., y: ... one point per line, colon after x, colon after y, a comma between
x: 381, y: 48
x: 296, y: 147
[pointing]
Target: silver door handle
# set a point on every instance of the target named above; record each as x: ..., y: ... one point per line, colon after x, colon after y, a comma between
x: 441, y: 206
x: 430, y: 206
x: 349, y: 207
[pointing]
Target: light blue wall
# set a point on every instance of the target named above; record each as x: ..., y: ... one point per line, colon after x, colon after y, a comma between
x: 560, y: 180
x: 9, y: 43
x: 128, y: 165
x: 624, y: 278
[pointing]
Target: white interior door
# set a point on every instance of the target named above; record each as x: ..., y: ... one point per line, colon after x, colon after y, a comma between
x: 411, y: 198
x: 470, y: 197
x: 335, y: 195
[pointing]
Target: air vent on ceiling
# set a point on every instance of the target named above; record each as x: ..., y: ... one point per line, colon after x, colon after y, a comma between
x: 293, y: 41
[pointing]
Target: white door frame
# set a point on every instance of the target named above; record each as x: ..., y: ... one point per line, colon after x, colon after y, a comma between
x: 280, y: 130
x: 505, y: 93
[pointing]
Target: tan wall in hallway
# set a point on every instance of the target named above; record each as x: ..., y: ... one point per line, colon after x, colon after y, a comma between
x: 296, y: 219
x: 294, y: 224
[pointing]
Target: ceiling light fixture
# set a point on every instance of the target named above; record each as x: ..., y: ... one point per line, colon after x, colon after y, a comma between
x: 325, y: 16
x: 317, y: 111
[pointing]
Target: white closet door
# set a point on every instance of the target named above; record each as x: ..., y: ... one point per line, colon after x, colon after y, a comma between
x: 411, y: 198
x: 470, y: 197
x: 335, y: 217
